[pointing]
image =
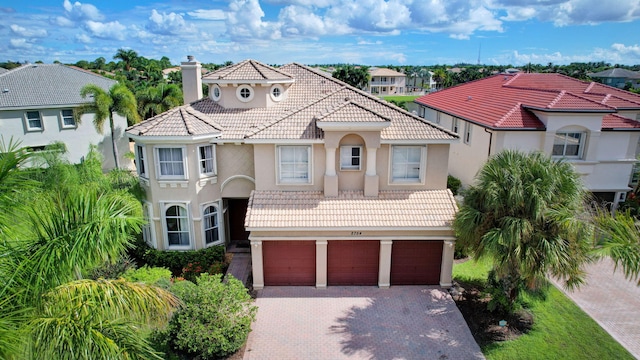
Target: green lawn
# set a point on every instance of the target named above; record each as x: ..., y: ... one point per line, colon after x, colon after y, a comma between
x: 561, y: 330
x: 401, y: 98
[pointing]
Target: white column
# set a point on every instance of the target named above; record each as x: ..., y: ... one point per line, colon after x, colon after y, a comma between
x: 256, y: 264
x: 384, y: 275
x: 446, y: 268
x: 371, y: 161
x: 321, y: 264
x: 330, y: 164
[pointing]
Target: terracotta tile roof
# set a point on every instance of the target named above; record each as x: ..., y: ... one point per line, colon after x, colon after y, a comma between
x: 270, y: 209
x: 248, y: 70
x: 615, y: 121
x: 311, y: 96
x: 351, y: 111
x: 384, y: 72
x: 504, y: 101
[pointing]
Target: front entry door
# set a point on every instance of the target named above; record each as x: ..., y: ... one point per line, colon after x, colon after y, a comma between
x: 237, y: 210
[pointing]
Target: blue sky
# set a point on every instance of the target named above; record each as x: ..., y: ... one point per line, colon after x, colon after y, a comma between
x: 370, y: 32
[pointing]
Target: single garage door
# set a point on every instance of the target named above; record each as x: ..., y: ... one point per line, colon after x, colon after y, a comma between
x: 351, y: 262
x: 289, y: 262
x: 416, y: 262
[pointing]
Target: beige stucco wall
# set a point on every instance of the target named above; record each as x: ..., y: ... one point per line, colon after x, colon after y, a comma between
x: 77, y: 139
x: 261, y: 96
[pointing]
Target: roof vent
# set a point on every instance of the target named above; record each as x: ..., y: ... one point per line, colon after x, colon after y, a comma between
x: 5, y: 91
x: 190, y: 58
x: 469, y: 98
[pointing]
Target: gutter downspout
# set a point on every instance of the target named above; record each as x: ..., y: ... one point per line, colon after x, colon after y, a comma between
x: 490, y: 141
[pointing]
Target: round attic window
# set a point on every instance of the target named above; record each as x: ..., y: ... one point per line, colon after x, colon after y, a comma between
x: 215, y: 92
x: 244, y: 93
x: 277, y: 91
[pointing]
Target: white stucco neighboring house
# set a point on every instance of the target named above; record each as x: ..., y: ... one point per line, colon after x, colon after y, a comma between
x: 593, y: 126
x: 385, y: 81
x: 323, y: 183
x: 36, y: 108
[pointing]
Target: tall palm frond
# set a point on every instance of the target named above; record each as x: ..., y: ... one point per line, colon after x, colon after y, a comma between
x: 619, y: 239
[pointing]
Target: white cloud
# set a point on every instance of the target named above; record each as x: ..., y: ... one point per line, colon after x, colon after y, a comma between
x: 30, y: 33
x: 168, y: 24
x: 83, y: 38
x: 213, y: 14
x: 19, y: 44
x: 110, y: 30
x: 79, y: 11
x: 616, y: 54
x: 571, y: 12
x: 62, y: 21
x: 244, y: 21
x: 298, y: 20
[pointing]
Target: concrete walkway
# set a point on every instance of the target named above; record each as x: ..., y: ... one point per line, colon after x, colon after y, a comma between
x: 613, y: 302
x: 358, y: 322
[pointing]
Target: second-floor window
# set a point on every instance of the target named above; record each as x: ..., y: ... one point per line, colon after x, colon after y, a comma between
x: 294, y: 164
x: 467, y: 133
x: 407, y: 164
x: 68, y: 121
x: 350, y: 157
x: 568, y: 144
x: 34, y: 120
x: 206, y: 157
x: 141, y: 164
x: 455, y: 125
x: 170, y: 163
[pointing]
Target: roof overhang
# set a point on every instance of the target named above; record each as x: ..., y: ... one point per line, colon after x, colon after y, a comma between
x: 275, y: 141
x: 174, y: 139
x: 580, y: 111
x: 251, y: 82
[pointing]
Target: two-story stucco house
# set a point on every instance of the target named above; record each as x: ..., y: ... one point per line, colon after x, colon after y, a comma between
x: 328, y: 184
x: 385, y: 81
x: 36, y: 107
x: 593, y: 126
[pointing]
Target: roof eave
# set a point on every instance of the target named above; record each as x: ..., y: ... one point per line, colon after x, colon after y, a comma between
x: 173, y: 139
x: 248, y: 81
x: 484, y: 125
x: 582, y: 111
x: 353, y: 126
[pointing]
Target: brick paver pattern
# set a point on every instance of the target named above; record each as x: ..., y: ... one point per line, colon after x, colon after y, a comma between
x: 613, y: 302
x: 356, y: 322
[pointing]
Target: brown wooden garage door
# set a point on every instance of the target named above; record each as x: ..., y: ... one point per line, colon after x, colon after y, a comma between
x: 289, y: 262
x: 416, y: 262
x: 351, y: 262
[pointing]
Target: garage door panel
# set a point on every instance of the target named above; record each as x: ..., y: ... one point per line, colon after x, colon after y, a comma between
x: 416, y: 262
x: 289, y: 263
x: 351, y: 262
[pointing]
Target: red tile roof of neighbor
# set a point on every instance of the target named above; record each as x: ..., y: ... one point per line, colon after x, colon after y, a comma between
x: 505, y: 101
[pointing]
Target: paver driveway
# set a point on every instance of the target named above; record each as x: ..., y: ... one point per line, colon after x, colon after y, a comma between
x: 355, y: 322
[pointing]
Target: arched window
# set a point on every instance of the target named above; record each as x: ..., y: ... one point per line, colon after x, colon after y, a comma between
x: 210, y: 224
x: 177, y: 222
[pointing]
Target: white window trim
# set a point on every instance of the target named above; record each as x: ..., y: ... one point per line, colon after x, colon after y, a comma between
x: 65, y: 126
x: 220, y: 229
x: 26, y: 121
x: 344, y: 167
x: 438, y: 117
x: 279, y: 180
x: 455, y: 125
x: 251, y: 93
x: 274, y: 97
x: 581, y: 145
x: 213, y: 91
x: 142, y: 150
x: 147, y: 209
x: 467, y: 133
x: 185, y: 169
x: 213, y: 158
x: 166, y: 205
x: 421, y: 171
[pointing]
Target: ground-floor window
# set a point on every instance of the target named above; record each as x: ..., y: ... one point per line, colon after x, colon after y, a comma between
x: 211, y: 225
x: 177, y: 226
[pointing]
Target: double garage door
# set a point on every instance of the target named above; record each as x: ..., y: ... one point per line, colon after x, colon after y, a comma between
x: 351, y: 262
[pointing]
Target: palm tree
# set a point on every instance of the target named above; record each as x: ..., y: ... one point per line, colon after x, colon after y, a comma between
x: 128, y: 57
x: 526, y: 212
x: 119, y: 100
x: 156, y: 100
x: 440, y: 77
x: 619, y: 239
x: 47, y: 309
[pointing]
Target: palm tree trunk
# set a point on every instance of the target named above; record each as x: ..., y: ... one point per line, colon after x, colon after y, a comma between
x: 113, y: 142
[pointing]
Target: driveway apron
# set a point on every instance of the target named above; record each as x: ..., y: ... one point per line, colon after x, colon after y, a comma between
x: 356, y: 322
x: 612, y: 301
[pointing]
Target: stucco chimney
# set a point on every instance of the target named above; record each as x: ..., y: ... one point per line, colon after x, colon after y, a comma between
x: 191, y: 80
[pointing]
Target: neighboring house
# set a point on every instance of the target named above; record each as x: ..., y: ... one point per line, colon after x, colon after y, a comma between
x: 618, y: 77
x: 591, y: 125
x: 325, y: 183
x: 36, y: 107
x: 385, y: 81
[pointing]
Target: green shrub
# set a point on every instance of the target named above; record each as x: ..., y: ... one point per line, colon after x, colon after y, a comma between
x: 454, y: 184
x: 214, y: 321
x: 176, y: 261
x: 115, y: 270
x: 150, y: 275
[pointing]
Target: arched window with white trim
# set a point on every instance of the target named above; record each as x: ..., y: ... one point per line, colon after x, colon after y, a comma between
x: 210, y: 224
